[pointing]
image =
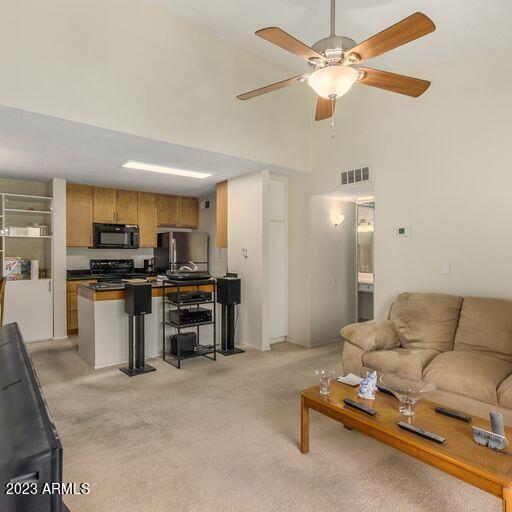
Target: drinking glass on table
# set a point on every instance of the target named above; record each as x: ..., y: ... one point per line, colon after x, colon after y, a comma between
x: 325, y: 375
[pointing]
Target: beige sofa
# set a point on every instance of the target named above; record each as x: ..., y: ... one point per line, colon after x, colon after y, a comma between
x: 461, y: 344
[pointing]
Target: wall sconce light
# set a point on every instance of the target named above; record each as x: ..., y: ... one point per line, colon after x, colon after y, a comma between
x: 337, y: 219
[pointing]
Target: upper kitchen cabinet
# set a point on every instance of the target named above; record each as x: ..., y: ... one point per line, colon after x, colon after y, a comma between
x: 105, y: 205
x: 189, y: 212
x: 79, y: 215
x: 168, y: 211
x: 126, y: 207
x: 147, y: 219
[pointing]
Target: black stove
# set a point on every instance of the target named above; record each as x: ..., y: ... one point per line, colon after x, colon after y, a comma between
x: 114, y: 270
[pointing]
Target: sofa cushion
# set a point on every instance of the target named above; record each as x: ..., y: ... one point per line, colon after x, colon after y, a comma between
x: 406, y: 362
x: 426, y: 320
x: 468, y: 373
x: 505, y: 393
x: 371, y: 335
x: 485, y: 325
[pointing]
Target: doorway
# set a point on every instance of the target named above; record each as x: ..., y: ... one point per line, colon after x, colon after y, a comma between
x: 365, y: 257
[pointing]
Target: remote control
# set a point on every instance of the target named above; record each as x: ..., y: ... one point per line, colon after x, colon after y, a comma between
x: 386, y: 390
x: 361, y: 407
x: 497, y: 423
x: 453, y: 414
x: 421, y: 432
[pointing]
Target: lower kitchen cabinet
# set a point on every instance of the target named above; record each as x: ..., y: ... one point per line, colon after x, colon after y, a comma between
x: 30, y: 303
x: 72, y: 303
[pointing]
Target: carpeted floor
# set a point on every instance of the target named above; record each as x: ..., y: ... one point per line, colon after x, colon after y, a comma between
x: 224, y: 437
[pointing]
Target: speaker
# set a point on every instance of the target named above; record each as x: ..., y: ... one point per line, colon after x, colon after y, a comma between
x: 137, y: 298
x: 228, y: 290
x: 187, y: 341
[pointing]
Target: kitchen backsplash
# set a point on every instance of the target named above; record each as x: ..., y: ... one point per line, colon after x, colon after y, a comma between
x: 78, y: 258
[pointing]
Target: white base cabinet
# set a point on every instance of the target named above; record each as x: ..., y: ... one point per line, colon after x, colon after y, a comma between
x: 30, y: 303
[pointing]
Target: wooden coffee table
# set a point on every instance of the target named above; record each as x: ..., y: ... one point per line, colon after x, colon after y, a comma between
x: 458, y: 456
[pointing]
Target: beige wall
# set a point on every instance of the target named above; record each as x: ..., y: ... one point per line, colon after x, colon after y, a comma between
x: 58, y: 188
x: 29, y: 187
x: 207, y: 223
x: 441, y: 165
x: 245, y: 230
x: 332, y: 268
x: 129, y: 65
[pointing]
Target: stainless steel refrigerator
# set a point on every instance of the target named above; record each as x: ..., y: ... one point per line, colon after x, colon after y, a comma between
x: 178, y: 249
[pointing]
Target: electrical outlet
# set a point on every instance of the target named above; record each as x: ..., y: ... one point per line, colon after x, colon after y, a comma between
x: 244, y: 252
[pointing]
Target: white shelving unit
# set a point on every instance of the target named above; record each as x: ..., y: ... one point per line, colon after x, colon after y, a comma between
x: 28, y: 302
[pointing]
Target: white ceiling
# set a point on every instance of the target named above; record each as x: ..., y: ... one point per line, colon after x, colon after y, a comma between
x: 464, y: 27
x: 35, y: 146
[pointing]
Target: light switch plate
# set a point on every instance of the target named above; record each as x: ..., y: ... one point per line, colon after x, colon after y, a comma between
x: 445, y: 269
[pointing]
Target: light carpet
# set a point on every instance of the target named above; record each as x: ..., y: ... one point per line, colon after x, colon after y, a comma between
x: 223, y: 436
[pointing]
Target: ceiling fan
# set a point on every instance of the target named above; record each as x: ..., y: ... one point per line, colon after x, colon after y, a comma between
x: 333, y: 58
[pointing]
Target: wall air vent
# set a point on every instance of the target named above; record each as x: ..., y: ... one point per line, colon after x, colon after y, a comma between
x: 354, y: 176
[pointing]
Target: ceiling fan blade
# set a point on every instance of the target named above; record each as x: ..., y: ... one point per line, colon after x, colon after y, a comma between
x: 392, y: 82
x: 287, y: 42
x: 405, y: 31
x: 269, y: 88
x: 324, y: 108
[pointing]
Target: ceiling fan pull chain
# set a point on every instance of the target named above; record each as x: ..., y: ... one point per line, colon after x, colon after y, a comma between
x: 333, y: 134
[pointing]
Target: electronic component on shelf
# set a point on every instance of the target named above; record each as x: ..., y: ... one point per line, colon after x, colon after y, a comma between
x: 361, y: 407
x: 190, y: 316
x: 186, y: 297
x: 187, y: 343
x: 421, y: 432
x: 453, y: 414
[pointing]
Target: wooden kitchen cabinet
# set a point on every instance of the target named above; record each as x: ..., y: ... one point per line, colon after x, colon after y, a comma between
x: 126, y: 207
x: 72, y: 303
x: 79, y: 215
x: 189, y: 212
x: 147, y: 218
x: 87, y: 204
x: 105, y: 205
x: 168, y: 211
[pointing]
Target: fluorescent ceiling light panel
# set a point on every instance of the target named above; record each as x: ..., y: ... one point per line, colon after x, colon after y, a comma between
x: 141, y: 166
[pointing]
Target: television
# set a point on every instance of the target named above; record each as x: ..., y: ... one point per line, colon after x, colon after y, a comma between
x: 30, y: 448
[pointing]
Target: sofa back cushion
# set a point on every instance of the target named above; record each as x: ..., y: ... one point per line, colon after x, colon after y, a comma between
x: 486, y: 326
x: 426, y: 320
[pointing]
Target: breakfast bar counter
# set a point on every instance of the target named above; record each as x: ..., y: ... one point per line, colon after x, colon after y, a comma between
x: 103, y: 323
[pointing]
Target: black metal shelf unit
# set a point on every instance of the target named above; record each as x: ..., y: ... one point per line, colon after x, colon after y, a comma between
x: 202, y: 350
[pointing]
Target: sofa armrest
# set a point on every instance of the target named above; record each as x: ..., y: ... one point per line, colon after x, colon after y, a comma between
x: 373, y: 335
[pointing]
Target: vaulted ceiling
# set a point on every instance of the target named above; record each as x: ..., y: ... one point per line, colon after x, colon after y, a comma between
x: 464, y: 27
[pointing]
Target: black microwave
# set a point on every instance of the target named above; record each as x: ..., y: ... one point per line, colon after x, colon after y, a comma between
x: 116, y: 236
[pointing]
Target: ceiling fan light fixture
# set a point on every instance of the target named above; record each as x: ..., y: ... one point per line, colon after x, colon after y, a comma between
x: 333, y: 81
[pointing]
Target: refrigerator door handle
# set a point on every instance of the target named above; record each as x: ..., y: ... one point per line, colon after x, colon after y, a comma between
x: 173, y: 245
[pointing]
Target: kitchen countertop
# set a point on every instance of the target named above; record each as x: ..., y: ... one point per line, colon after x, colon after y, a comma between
x: 116, y: 292
x: 116, y: 286
x: 83, y: 275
